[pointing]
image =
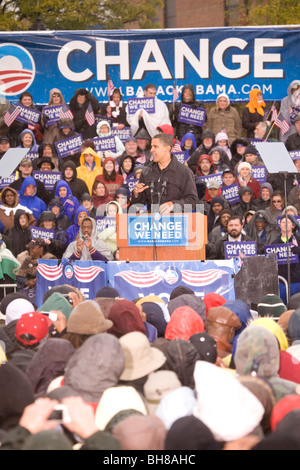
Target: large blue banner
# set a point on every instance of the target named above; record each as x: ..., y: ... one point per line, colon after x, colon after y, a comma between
x: 213, y: 60
x: 133, y: 280
x: 87, y: 276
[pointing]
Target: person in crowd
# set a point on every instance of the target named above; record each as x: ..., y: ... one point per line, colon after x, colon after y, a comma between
x: 293, y: 141
x: 115, y: 109
x: 100, y: 197
x: 220, y: 159
x: 217, y: 205
x: 90, y: 167
x: 181, y: 128
x: 88, y: 202
x: 223, y: 142
x: 69, y: 202
x: 205, y: 166
x: 235, y: 233
x: 253, y: 112
x: 277, y: 205
x: 237, y: 150
x: 122, y: 196
x: 141, y: 119
x: 287, y: 235
x: 5, y: 144
x: 17, y: 126
x: 79, y: 103
x: 73, y: 230
x: 213, y: 189
x: 224, y: 117
x: 56, y: 206
x: 144, y: 143
x: 29, y: 199
x: 266, y: 192
x: 58, y: 243
x: 46, y: 149
x: 244, y: 170
x: 181, y: 194
x: 27, y: 141
x: 220, y: 230
x: 262, y: 229
x: 131, y: 148
x: 126, y: 167
x: 77, y: 185
x: 104, y: 130
x: 247, y: 202
x: 262, y: 132
x: 87, y: 245
x: 10, y: 204
x: 207, y: 143
x: 49, y: 130
x: 109, y: 234
x: 66, y: 130
x: 287, y: 107
x: 25, y: 169
x: 228, y: 177
x: 112, y: 179
x: 188, y: 145
x: 19, y: 234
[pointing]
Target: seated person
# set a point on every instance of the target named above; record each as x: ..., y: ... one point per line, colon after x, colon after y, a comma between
x: 87, y: 245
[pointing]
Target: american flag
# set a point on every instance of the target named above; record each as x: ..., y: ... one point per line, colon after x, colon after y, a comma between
x: 177, y: 147
x: 175, y: 93
x: 274, y: 114
x: 110, y: 87
x: 65, y: 112
x: 282, y: 124
x: 11, y: 115
x: 89, y: 115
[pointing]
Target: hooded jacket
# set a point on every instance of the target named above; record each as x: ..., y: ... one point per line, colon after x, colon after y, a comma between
x: 242, y: 207
x: 224, y: 162
x: 88, y: 173
x: 193, y: 162
x: 181, y: 358
x: 34, y: 203
x: 69, y: 202
x: 77, y: 185
x: 181, y: 128
x: 7, y: 213
x: 271, y: 231
x: 78, y: 110
x: 62, y: 220
x: 18, y: 236
x: 120, y: 148
x: 99, y: 251
x: 57, y: 244
x: 95, y: 366
x: 188, y: 152
x: 184, y: 323
x: 73, y: 230
x: 286, y: 104
x: 34, y: 147
x: 253, y: 113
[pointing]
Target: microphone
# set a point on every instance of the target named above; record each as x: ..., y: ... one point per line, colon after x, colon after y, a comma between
x: 163, y: 189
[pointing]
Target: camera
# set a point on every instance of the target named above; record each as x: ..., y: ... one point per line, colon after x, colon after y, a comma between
x: 60, y: 414
x: 83, y: 238
x: 51, y: 315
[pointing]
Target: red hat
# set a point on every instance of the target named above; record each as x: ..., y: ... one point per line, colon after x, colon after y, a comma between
x: 31, y: 328
x: 282, y: 408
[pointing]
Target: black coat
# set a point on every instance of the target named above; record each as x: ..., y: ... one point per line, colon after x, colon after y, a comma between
x: 180, y: 185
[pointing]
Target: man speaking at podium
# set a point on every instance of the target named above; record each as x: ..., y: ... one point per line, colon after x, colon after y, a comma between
x: 165, y: 185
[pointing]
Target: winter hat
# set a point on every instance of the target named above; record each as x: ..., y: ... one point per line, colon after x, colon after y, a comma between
x: 107, y: 291
x: 105, y: 304
x: 244, y: 165
x: 213, y: 300
x: 189, y: 433
x: 87, y: 319
x: 213, y: 184
x: 294, y: 302
x: 181, y: 357
x: 125, y: 317
x: 251, y: 149
x: 294, y: 326
x: 117, y: 399
x: 57, y: 301
x: 184, y: 323
x: 176, y: 404
x: 16, y: 309
x: 140, y: 357
x: 271, y: 305
x: 272, y: 325
x: 206, y: 346
x: 155, y: 316
x: 254, y: 105
x: 138, y: 432
x: 31, y: 328
x: 228, y: 408
x: 9, y: 298
x: 157, y: 385
x: 179, y: 291
x: 193, y: 301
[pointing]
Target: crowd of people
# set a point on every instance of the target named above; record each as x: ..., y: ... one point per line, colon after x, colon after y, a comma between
x: 140, y: 374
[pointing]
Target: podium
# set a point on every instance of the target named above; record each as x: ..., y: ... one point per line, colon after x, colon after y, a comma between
x: 152, y: 237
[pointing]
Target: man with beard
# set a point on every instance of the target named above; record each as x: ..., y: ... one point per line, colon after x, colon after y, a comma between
x: 235, y: 233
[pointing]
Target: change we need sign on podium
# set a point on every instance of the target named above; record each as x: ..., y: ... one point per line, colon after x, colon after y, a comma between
x: 163, y: 230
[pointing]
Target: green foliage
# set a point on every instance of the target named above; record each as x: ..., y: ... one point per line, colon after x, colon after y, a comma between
x: 271, y: 12
x: 77, y: 14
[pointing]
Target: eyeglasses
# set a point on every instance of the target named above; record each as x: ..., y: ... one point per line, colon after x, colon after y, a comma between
x: 277, y: 200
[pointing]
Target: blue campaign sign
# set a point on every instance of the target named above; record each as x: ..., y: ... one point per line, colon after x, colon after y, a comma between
x: 259, y: 173
x: 235, y: 249
x: 214, y: 60
x: 191, y: 115
x: 48, y: 178
x: 69, y: 146
x: 105, y: 143
x: 170, y: 230
x: 281, y: 253
x: 52, y: 113
x: 87, y: 276
x: 134, y: 279
x: 208, y: 178
x: 134, y: 104
x: 231, y: 193
x: 40, y: 232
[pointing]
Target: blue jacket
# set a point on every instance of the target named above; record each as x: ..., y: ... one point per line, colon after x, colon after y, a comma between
x: 70, y: 203
x: 73, y: 230
x: 34, y: 203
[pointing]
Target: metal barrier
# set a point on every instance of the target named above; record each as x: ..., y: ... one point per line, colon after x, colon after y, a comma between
x: 284, y: 281
x: 6, y: 286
